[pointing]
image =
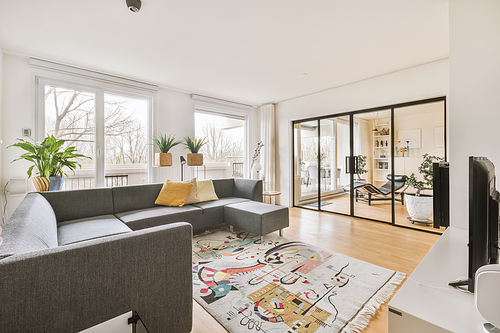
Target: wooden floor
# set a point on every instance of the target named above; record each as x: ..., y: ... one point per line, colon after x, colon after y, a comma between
x: 384, y: 245
x: 378, y: 210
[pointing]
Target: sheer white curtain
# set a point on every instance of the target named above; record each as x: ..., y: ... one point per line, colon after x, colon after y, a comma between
x: 268, y: 135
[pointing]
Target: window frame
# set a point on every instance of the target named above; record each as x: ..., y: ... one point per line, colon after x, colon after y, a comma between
x: 215, y: 111
x: 99, y: 90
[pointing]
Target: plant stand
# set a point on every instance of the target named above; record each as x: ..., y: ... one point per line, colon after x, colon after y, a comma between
x: 413, y: 220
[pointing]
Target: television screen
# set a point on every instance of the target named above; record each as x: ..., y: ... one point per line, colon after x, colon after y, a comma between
x: 483, y: 218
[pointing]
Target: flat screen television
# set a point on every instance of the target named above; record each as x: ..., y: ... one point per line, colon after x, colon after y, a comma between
x: 483, y: 218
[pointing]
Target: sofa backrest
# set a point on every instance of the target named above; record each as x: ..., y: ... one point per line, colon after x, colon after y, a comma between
x: 32, y: 227
x: 224, y: 187
x: 248, y: 189
x: 78, y: 204
x: 134, y: 197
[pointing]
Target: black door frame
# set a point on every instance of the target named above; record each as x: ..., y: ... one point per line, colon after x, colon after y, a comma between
x: 351, y: 115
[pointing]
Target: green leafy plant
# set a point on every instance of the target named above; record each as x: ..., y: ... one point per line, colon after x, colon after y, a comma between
x: 47, y: 157
x: 360, y: 165
x: 164, y: 143
x: 425, y: 169
x: 194, y: 145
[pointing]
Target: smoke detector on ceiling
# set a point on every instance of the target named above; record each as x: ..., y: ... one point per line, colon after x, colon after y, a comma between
x: 134, y: 5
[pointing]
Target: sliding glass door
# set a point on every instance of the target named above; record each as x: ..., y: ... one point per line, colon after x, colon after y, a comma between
x: 357, y: 163
x: 373, y: 165
x: 320, y: 150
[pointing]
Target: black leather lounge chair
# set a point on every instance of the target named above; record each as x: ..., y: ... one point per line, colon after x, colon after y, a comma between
x: 368, y: 192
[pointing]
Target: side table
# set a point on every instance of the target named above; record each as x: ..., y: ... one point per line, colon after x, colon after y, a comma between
x: 270, y: 194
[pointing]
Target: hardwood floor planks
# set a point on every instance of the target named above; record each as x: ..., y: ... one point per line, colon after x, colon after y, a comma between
x: 377, y: 243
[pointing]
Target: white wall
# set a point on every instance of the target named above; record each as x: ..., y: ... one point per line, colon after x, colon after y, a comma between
x: 474, y: 101
x: 173, y: 114
x: 417, y: 83
x: 1, y: 146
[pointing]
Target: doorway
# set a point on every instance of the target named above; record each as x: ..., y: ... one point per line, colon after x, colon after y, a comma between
x: 357, y: 163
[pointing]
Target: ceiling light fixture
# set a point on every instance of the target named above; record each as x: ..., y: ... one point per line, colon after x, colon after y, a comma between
x: 134, y: 5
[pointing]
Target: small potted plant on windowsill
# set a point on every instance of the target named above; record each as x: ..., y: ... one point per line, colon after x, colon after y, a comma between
x: 163, y: 144
x: 49, y: 161
x: 420, y: 205
x: 194, y: 145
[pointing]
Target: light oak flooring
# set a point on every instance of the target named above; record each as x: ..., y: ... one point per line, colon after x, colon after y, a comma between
x: 384, y: 245
x: 379, y: 210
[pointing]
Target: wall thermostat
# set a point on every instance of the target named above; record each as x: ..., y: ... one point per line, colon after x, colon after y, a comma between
x: 26, y: 131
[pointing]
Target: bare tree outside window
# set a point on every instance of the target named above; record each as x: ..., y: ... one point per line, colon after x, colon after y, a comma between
x: 71, y: 115
x: 225, y: 148
x: 220, y: 144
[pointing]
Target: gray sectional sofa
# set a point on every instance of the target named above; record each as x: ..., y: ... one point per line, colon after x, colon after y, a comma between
x: 73, y: 259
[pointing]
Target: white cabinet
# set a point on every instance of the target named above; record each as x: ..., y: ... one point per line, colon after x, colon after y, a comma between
x: 425, y: 302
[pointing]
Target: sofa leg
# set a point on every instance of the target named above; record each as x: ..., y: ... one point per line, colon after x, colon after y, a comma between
x: 262, y: 239
x: 231, y: 229
x: 281, y: 232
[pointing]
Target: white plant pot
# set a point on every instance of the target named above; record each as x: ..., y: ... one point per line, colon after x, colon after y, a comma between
x: 419, y: 208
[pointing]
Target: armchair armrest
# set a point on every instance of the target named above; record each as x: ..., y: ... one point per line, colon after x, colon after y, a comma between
x: 73, y: 287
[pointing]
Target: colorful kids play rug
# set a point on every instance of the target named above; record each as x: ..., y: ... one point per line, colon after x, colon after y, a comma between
x: 285, y: 285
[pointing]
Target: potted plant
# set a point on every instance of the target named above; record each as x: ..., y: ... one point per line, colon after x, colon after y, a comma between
x: 360, y: 165
x: 49, y: 160
x: 194, y: 145
x: 163, y: 144
x: 420, y: 205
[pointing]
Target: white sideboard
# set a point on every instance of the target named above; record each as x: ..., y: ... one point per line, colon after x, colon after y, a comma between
x: 425, y: 303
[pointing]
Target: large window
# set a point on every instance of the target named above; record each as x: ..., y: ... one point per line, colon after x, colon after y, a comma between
x: 109, y: 127
x: 224, y: 154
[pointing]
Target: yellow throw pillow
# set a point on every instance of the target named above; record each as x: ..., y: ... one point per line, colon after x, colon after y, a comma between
x: 206, y: 191
x: 173, y: 193
x: 193, y: 194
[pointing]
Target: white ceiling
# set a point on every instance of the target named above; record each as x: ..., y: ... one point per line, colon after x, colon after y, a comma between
x: 248, y: 51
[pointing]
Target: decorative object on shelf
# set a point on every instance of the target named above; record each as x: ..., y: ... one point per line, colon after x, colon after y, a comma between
x: 382, y: 154
x: 49, y: 161
x: 386, y: 143
x: 163, y: 144
x: 376, y: 143
x: 384, y: 131
x: 194, y: 145
x: 407, y: 148
x: 419, y: 205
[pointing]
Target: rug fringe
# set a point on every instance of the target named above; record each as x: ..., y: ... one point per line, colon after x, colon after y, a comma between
x: 366, y: 314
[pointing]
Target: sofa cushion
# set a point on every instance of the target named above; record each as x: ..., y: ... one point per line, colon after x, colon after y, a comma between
x: 193, y: 194
x: 213, y: 211
x: 135, y: 197
x: 32, y: 227
x: 219, y: 203
x: 206, y: 191
x: 173, y: 194
x: 75, y: 231
x: 159, y: 215
x: 78, y: 204
x: 224, y: 187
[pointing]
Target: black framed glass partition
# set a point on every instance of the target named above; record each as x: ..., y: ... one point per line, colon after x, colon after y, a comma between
x: 356, y: 163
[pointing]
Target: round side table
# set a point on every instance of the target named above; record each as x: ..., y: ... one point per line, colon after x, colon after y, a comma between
x: 270, y: 194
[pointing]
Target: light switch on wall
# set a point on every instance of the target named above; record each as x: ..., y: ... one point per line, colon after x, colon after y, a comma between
x: 27, y: 132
